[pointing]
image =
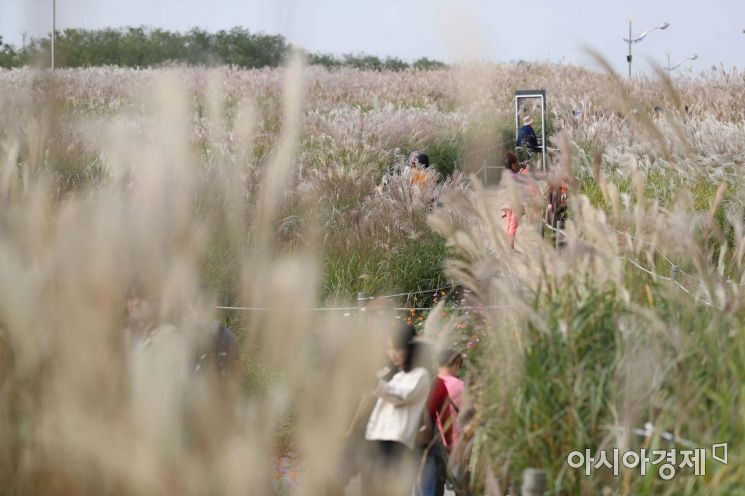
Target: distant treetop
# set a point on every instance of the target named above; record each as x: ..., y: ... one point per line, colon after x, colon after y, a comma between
x: 149, y: 47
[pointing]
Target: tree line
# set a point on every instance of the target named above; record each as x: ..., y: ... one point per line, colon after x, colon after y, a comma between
x: 150, y: 47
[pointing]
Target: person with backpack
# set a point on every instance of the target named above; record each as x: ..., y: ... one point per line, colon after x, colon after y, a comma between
x: 156, y: 359
x: 144, y: 327
x: 460, y: 456
x: 216, y: 349
x: 435, y: 433
x: 556, y: 200
x: 450, y: 362
x: 402, y: 392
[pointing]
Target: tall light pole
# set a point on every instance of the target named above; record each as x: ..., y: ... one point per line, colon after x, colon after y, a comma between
x: 671, y: 68
x: 630, y: 40
x: 54, y: 27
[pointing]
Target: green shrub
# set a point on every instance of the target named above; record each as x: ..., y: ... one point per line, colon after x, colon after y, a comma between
x: 563, y: 398
x: 414, y: 265
x: 443, y: 154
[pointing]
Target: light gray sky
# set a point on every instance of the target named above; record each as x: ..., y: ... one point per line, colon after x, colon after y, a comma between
x: 544, y: 30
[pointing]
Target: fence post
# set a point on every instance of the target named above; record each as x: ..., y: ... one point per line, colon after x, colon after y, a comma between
x: 559, y: 234
x: 362, y: 299
x: 534, y: 482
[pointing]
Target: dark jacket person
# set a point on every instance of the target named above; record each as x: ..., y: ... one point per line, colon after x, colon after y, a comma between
x: 526, y: 135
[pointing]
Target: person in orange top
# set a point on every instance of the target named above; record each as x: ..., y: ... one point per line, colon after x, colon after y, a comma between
x: 416, y: 170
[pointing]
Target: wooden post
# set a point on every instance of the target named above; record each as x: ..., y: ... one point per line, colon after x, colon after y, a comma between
x: 54, y: 27
x: 559, y: 234
x: 534, y: 482
x: 362, y: 299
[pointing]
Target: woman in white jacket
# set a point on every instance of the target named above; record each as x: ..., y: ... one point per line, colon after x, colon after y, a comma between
x: 402, y: 392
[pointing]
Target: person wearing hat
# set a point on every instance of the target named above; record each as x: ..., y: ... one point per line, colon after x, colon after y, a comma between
x: 526, y: 136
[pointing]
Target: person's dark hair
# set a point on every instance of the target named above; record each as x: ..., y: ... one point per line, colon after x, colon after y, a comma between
x: 449, y: 357
x: 423, y: 159
x: 420, y: 157
x: 509, y: 160
x: 403, y: 338
x: 136, y: 289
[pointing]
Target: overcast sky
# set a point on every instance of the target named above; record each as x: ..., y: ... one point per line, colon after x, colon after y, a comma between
x: 450, y: 30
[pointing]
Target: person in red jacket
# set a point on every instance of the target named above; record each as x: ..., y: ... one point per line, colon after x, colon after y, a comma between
x: 433, y: 469
x: 438, y: 407
x: 450, y: 362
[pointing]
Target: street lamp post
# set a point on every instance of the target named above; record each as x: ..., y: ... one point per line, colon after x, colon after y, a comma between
x: 630, y: 40
x: 671, y: 68
x: 54, y: 27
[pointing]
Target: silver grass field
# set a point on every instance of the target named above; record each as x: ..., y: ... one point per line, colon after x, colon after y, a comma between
x: 260, y: 188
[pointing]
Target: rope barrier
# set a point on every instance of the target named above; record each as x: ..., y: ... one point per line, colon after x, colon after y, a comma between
x: 649, y: 430
x: 467, y: 308
x: 350, y: 309
x: 652, y: 273
x: 408, y: 295
x: 269, y: 309
x: 676, y: 283
x: 649, y: 243
x: 486, y: 148
x: 554, y: 229
x: 672, y: 264
x: 487, y: 167
x: 423, y: 291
